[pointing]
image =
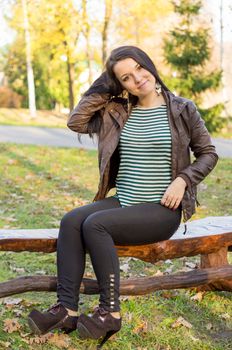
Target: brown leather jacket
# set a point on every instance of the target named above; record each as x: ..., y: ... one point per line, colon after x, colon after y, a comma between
x: 187, y: 130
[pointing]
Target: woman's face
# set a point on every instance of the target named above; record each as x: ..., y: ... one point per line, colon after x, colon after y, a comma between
x: 135, y: 79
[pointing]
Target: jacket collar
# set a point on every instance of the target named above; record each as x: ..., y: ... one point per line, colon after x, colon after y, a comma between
x: 175, y: 103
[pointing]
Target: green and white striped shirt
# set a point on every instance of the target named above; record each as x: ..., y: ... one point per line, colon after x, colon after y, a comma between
x: 145, y: 157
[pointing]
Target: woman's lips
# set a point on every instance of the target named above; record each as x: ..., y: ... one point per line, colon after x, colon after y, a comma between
x: 140, y: 86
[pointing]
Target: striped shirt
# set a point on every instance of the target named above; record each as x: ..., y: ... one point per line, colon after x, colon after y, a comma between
x: 145, y: 157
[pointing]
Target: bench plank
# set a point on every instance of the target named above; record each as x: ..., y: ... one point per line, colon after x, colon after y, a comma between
x: 211, y: 237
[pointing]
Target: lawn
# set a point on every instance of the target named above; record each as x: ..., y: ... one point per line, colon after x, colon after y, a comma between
x: 39, y: 185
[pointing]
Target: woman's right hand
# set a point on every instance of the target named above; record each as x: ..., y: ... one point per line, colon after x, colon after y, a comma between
x: 104, y: 84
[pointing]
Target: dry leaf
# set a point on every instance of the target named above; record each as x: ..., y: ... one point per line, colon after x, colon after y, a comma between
x: 225, y: 316
x: 37, y: 340
x: 193, y: 338
x: 141, y: 328
x: 197, y: 297
x: 169, y: 294
x: 190, y: 265
x: 60, y: 340
x: 5, y: 344
x: 168, y: 261
x: 168, y: 270
x: 124, y: 267
x: 11, y: 325
x: 12, y: 301
x: 209, y: 326
x: 158, y: 273
x: 181, y: 322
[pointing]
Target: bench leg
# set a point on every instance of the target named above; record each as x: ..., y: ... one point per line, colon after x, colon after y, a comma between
x: 216, y: 259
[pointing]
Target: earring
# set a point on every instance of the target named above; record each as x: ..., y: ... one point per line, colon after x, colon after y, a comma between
x: 158, y: 88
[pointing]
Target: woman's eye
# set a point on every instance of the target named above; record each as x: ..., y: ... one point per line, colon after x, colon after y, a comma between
x: 139, y: 67
x: 125, y: 79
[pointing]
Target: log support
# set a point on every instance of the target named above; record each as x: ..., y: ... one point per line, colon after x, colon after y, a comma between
x: 135, y: 286
x: 215, y: 260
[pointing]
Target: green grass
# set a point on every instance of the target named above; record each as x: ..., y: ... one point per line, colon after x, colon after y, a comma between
x: 40, y: 184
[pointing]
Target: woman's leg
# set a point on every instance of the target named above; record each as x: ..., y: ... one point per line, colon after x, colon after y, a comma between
x: 138, y: 224
x: 71, y: 251
x: 70, y: 265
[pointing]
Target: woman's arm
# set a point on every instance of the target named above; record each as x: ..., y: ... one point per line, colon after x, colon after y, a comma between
x: 94, y: 100
x: 206, y: 159
x: 202, y: 148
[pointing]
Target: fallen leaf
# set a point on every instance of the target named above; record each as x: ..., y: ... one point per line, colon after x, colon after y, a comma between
x: 197, y: 297
x: 38, y: 340
x: 193, y: 338
x: 12, y: 301
x: 60, y: 340
x: 190, y: 265
x: 181, y: 322
x: 168, y: 261
x: 225, y: 316
x: 11, y: 325
x: 158, y: 273
x: 141, y: 328
x: 5, y: 344
x: 209, y: 326
x: 169, y: 270
x: 12, y: 161
x: 124, y: 267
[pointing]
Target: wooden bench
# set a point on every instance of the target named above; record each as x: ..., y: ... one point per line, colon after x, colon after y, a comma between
x: 210, y: 237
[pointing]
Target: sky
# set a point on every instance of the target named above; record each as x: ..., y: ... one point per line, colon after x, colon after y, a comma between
x: 6, y: 35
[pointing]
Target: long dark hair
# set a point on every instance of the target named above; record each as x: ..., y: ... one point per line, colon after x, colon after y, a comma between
x: 108, y: 83
x: 140, y: 57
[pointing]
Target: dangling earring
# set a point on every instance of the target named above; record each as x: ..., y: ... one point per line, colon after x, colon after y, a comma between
x: 158, y: 88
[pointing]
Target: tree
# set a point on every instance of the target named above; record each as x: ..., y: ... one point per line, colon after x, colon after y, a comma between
x: 187, y: 51
x: 30, y: 73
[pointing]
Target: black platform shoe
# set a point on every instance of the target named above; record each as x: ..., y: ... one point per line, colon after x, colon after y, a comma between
x: 100, y: 324
x: 56, y: 317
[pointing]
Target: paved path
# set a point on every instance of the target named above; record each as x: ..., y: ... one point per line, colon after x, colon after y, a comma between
x: 68, y: 138
x: 44, y: 136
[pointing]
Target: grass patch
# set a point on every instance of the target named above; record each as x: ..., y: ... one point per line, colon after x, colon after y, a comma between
x: 21, y: 117
x: 39, y: 185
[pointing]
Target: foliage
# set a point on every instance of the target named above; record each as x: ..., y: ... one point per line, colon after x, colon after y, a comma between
x: 187, y: 51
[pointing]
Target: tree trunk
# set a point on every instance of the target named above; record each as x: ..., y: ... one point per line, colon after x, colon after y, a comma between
x: 108, y: 12
x: 30, y: 74
x: 70, y: 71
x: 86, y: 32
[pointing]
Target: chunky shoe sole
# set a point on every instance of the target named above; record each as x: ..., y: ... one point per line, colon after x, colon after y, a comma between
x: 83, y: 332
x: 35, y: 329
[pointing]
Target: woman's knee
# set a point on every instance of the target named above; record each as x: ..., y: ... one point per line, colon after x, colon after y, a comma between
x: 93, y: 226
x: 72, y: 219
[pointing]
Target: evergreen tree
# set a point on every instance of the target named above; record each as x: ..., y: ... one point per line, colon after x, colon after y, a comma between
x: 187, y: 51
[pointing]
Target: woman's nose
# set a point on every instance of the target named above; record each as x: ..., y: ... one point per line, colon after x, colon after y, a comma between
x: 137, y: 78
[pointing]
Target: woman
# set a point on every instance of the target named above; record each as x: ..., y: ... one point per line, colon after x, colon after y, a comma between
x: 144, y: 142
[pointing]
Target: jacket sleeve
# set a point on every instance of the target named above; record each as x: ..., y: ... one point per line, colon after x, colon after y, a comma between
x: 202, y: 148
x: 85, y: 110
x: 93, y: 100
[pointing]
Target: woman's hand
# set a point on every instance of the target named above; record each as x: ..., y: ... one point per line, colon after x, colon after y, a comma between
x: 174, y: 193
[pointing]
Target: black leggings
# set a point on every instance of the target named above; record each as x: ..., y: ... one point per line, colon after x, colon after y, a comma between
x: 96, y: 228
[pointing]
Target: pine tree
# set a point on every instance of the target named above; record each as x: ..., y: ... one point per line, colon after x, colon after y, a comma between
x: 187, y: 51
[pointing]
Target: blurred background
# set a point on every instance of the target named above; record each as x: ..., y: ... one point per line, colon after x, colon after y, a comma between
x: 51, y: 51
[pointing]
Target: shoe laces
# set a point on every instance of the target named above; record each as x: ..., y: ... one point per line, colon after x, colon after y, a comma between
x: 101, y: 311
x: 53, y: 307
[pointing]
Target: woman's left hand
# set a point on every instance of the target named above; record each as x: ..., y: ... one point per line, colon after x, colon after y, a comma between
x: 174, y: 193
